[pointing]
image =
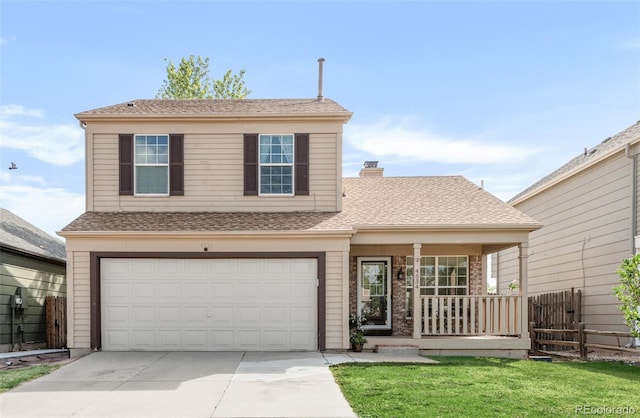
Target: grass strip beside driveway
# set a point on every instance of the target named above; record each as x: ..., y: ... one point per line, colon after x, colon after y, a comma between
x: 479, y: 387
x: 11, y: 378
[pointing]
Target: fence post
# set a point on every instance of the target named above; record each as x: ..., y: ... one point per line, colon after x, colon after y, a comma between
x: 532, y: 335
x: 582, y: 338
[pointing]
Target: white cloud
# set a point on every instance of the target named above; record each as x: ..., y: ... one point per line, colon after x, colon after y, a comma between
x: 397, y: 139
x: 25, y: 129
x: 50, y: 209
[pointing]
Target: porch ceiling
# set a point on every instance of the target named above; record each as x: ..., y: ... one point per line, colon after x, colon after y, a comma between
x: 489, y: 240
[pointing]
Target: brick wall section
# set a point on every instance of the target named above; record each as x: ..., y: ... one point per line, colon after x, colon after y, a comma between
x: 475, y: 275
x: 401, y: 326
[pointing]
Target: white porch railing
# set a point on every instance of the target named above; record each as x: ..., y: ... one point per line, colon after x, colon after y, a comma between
x: 471, y: 315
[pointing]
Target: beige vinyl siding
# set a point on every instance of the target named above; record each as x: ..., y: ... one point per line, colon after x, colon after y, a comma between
x: 40, y: 279
x: 213, y: 176
x: 335, y: 311
x: 79, y: 310
x: 587, y: 222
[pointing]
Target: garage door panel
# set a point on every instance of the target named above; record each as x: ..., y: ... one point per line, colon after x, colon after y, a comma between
x: 301, y: 316
x: 248, y: 268
x: 117, y: 292
x: 248, y: 340
x: 247, y: 317
x: 168, y: 316
x: 222, y: 292
x: 194, y: 339
x: 118, y: 316
x: 195, y: 292
x: 118, y: 340
x: 209, y: 304
x: 275, y: 339
x: 222, y: 340
x: 222, y: 317
x: 250, y: 291
x: 168, y: 339
x: 143, y: 316
x: 303, y: 291
x: 167, y: 292
x: 142, y: 292
x: 144, y: 268
x: 301, y: 339
x: 195, y: 315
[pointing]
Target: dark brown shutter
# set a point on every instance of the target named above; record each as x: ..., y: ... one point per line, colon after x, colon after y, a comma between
x: 302, y: 164
x: 250, y: 164
x: 126, y: 163
x: 176, y: 165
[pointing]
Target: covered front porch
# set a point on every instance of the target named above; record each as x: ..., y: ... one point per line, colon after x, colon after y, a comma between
x: 433, y: 293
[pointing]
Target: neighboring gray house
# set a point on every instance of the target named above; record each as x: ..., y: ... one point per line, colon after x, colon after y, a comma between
x: 32, y: 266
x: 589, y: 209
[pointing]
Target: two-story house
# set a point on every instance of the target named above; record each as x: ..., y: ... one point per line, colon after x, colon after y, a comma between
x: 227, y: 225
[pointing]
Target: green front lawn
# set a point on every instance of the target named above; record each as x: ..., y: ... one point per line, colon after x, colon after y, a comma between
x: 13, y: 377
x: 488, y: 387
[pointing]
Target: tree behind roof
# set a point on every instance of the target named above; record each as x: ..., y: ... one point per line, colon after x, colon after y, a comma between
x: 190, y: 80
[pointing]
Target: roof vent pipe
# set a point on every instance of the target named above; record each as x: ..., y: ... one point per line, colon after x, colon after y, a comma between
x: 320, y: 62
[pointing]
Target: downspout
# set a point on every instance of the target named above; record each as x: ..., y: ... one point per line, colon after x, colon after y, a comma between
x: 634, y: 195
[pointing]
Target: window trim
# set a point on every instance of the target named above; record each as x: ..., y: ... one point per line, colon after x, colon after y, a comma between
x: 136, y: 165
x: 408, y: 287
x: 292, y: 165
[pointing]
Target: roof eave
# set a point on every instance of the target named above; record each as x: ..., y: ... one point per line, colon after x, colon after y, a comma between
x: 199, y: 234
x: 449, y: 227
x: 343, y: 117
x: 48, y: 258
x: 573, y: 172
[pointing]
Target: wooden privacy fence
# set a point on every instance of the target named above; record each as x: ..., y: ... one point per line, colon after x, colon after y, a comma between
x: 578, y: 339
x: 557, y: 310
x: 56, y: 321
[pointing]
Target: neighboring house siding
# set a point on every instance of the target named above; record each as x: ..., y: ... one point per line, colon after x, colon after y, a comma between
x: 40, y: 279
x: 213, y: 177
x: 587, y: 222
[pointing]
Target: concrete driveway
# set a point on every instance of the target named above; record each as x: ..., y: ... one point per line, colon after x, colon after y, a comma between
x: 184, y: 384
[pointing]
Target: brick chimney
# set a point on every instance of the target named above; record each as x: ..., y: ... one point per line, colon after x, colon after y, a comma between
x: 371, y: 169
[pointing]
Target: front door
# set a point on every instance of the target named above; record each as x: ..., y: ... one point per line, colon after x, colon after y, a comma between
x: 374, y: 292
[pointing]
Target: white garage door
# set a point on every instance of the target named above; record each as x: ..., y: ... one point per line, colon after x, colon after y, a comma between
x: 209, y: 304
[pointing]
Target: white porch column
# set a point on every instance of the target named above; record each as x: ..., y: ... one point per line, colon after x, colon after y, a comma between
x: 417, y: 305
x: 524, y: 283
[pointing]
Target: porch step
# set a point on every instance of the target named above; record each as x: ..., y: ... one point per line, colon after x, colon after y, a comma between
x: 411, y: 350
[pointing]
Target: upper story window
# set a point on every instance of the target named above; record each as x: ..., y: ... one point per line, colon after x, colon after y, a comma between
x: 152, y: 164
x: 276, y: 165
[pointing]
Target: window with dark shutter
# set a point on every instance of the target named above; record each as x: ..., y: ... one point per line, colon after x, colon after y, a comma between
x: 302, y: 164
x: 176, y: 165
x: 251, y: 164
x: 125, y: 148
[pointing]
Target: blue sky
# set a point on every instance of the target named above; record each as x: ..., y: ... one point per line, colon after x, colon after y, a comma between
x: 500, y: 91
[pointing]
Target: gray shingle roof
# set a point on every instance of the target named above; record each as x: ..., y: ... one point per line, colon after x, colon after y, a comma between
x: 213, y: 108
x: 577, y: 164
x: 427, y: 201
x: 204, y: 221
x: 19, y: 234
x: 383, y: 202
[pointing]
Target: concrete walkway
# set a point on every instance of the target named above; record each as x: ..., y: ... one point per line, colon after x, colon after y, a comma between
x: 189, y: 384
